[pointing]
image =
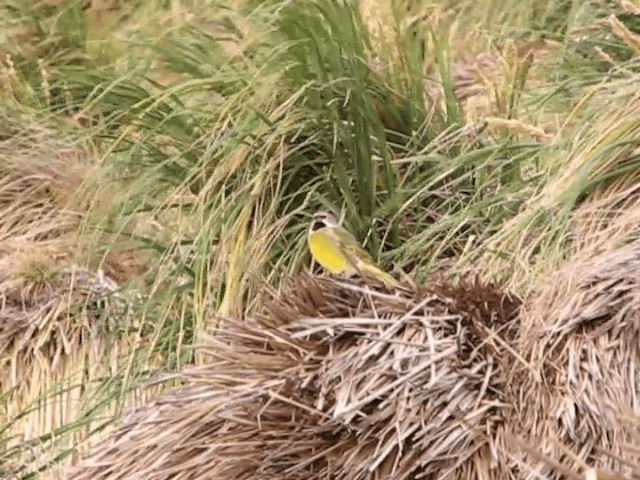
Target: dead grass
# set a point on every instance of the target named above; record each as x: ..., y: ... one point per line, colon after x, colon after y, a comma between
x: 335, y: 380
x: 49, y: 184
x: 580, y: 337
x: 60, y: 324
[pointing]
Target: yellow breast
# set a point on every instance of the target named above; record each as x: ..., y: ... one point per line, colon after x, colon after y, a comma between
x: 326, y: 251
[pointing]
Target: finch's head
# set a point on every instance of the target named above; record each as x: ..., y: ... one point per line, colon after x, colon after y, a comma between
x: 323, y: 220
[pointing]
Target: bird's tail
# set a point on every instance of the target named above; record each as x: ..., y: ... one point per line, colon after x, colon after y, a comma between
x: 379, y: 274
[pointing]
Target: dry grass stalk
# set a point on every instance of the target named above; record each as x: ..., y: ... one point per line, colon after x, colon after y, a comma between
x: 629, y: 38
x: 334, y: 379
x: 484, y: 83
x: 629, y: 423
x: 486, y: 86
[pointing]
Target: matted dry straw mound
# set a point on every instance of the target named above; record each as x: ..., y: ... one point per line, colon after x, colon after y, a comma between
x: 57, y: 336
x: 334, y: 380
x: 581, y: 340
x: 39, y: 320
x: 60, y: 324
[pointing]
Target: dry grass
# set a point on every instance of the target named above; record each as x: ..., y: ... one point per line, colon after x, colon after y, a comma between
x: 580, y: 340
x: 49, y: 192
x: 335, y: 379
x: 60, y: 324
x: 39, y: 176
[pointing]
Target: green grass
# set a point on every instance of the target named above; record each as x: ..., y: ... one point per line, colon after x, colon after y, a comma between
x: 211, y: 134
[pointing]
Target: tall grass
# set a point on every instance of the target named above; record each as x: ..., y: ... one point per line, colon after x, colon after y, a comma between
x: 215, y: 131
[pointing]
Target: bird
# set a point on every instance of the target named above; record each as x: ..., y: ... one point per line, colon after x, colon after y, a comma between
x: 338, y: 251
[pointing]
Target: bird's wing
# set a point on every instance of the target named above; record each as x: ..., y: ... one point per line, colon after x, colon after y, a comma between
x: 351, y: 246
x: 359, y: 258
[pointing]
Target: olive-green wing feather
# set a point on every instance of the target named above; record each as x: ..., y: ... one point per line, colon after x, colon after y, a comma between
x: 360, y: 258
x: 351, y: 245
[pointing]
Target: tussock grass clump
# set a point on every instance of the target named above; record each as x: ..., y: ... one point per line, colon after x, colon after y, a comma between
x: 337, y: 379
x: 40, y: 172
x: 56, y: 331
x: 62, y: 326
x: 580, y: 341
x: 334, y: 379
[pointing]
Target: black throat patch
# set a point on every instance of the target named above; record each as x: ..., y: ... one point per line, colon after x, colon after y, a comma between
x: 317, y: 225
